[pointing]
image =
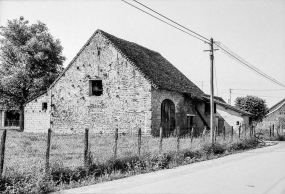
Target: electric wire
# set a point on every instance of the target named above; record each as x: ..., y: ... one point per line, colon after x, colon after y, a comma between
x: 171, y: 20
x: 166, y: 22
x: 224, y: 49
x: 259, y: 96
x: 259, y: 90
x: 239, y: 59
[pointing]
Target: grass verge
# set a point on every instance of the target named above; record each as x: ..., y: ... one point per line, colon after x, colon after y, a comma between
x: 62, y: 177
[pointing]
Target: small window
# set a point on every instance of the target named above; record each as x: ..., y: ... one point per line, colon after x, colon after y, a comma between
x: 95, y: 87
x: 208, y: 108
x: 44, y: 106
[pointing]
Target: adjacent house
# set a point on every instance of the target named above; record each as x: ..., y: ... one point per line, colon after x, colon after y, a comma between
x: 113, y: 83
x: 9, y: 119
x: 276, y: 115
x: 228, y: 116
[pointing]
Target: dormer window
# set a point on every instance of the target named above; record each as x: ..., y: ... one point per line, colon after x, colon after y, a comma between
x: 95, y: 88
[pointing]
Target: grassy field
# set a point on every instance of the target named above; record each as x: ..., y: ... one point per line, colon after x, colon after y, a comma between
x: 25, y: 158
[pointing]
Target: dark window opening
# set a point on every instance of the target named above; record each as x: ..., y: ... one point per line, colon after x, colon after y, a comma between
x: 208, y: 108
x: 44, y: 106
x: 96, y: 87
x: 190, y: 122
x: 11, y: 118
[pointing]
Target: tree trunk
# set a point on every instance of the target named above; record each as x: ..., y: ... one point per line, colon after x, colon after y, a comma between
x: 21, y: 123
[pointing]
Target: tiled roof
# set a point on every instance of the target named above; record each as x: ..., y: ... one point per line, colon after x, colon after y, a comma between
x: 156, y: 69
x: 276, y: 107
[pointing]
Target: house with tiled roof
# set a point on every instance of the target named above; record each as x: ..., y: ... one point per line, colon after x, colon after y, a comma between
x: 9, y: 119
x: 113, y: 83
x: 275, y: 115
x: 228, y: 116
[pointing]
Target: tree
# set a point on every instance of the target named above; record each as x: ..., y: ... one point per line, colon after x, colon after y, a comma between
x: 30, y: 60
x: 254, y: 105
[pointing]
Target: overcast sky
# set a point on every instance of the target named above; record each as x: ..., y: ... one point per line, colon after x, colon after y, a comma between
x: 255, y: 30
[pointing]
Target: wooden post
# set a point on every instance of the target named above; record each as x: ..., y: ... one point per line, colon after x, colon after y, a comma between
x: 269, y: 130
x: 204, y: 133
x: 273, y: 130
x: 192, y: 134
x: 244, y: 127
x: 139, y: 142
x: 239, y: 128
x: 2, y: 153
x: 178, y: 138
x: 86, y: 144
x: 232, y: 133
x: 48, y: 150
x: 224, y: 132
x: 116, y: 143
x: 215, y: 133
x: 160, y: 140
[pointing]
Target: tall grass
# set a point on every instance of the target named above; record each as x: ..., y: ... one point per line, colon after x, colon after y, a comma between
x: 25, y: 155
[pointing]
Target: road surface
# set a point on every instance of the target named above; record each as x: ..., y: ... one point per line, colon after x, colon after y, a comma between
x: 259, y: 171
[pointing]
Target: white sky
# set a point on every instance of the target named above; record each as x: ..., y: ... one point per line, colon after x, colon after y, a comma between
x: 255, y: 30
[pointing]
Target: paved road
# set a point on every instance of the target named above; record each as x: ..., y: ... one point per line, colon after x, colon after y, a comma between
x: 259, y: 171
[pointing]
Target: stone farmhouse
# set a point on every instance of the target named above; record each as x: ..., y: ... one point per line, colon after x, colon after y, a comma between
x: 276, y: 115
x: 113, y: 83
x: 229, y: 116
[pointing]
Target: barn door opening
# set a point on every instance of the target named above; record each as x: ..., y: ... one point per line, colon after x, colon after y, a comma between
x: 167, y: 116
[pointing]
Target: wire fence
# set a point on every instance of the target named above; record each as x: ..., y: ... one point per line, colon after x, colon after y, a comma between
x: 29, y: 152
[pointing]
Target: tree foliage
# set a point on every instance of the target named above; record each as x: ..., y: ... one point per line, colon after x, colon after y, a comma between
x: 254, y: 105
x: 30, y: 60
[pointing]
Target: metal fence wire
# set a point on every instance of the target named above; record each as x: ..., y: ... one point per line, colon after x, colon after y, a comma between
x: 22, y: 152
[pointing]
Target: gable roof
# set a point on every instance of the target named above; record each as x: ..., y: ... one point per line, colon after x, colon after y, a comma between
x: 155, y: 68
x: 276, y: 107
x: 218, y: 100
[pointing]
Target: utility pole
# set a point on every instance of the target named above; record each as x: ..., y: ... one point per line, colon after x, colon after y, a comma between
x: 212, y: 124
x: 212, y: 119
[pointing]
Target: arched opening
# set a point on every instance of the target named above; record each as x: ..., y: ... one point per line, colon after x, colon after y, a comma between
x: 167, y: 116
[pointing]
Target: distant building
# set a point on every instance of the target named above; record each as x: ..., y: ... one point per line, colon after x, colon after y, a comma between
x: 276, y: 115
x: 9, y: 119
x: 228, y: 116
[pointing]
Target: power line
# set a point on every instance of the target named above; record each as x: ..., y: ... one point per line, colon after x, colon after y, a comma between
x: 225, y: 50
x: 263, y: 96
x: 171, y: 20
x: 166, y: 22
x: 259, y: 90
x: 239, y: 59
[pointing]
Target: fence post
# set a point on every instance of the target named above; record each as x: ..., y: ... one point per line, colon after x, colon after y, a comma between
x: 86, y: 144
x: 178, y: 138
x: 204, y: 133
x: 2, y: 154
x: 273, y: 130
x: 215, y: 133
x: 239, y: 128
x: 232, y: 133
x: 116, y: 143
x: 224, y: 132
x: 270, y: 130
x: 160, y: 139
x: 244, y: 127
x: 139, y: 141
x: 48, y: 151
x: 192, y: 134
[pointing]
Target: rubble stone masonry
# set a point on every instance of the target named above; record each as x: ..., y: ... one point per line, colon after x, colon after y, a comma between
x: 125, y: 103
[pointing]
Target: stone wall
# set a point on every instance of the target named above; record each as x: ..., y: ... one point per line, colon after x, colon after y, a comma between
x: 36, y: 119
x: 276, y: 118
x: 126, y: 100
x: 183, y: 106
